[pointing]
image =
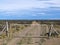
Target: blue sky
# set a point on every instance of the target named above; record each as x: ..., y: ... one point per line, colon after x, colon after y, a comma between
x: 29, y: 9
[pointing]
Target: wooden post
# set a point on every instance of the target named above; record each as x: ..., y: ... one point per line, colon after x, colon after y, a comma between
x: 51, y: 29
x: 7, y: 29
x: 47, y: 29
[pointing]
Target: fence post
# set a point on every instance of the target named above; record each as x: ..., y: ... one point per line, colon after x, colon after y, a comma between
x: 7, y: 31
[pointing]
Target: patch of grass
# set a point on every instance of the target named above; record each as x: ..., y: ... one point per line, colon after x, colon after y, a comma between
x: 2, y: 36
x: 4, y: 44
x: 22, y: 41
x: 41, y: 41
x: 29, y: 40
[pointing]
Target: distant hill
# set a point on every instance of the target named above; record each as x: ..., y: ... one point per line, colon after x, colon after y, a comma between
x: 30, y: 21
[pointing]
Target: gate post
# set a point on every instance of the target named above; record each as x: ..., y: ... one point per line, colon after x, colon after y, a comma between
x: 7, y: 31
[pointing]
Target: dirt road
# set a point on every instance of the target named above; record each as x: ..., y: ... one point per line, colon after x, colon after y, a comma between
x: 55, y: 41
x: 32, y: 36
x: 20, y: 34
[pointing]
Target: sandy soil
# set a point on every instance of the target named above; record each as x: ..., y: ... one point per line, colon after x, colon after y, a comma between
x: 54, y: 41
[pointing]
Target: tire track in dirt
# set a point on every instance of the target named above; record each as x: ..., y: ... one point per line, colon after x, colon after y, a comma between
x: 33, y: 33
x: 22, y: 33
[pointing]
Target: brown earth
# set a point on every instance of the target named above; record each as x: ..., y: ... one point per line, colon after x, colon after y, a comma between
x: 54, y: 41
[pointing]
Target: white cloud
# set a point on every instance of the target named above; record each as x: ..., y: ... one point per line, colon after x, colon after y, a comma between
x: 53, y: 3
x: 39, y: 14
x: 12, y: 5
x: 42, y: 13
x: 22, y: 4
